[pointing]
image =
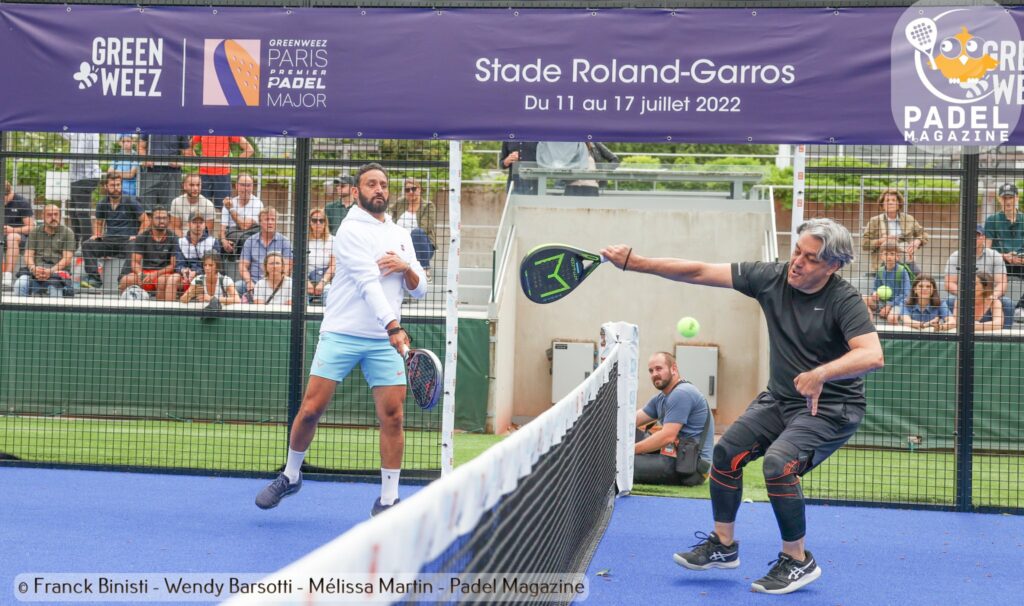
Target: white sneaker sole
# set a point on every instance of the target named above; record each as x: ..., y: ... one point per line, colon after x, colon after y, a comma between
x: 682, y: 562
x: 809, y: 577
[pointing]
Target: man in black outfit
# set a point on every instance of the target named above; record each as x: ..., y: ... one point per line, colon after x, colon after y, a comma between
x: 519, y: 151
x: 822, y: 343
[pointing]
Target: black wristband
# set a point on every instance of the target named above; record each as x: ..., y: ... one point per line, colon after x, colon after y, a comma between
x: 394, y: 331
x: 626, y: 262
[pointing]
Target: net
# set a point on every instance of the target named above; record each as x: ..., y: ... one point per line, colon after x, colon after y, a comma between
x: 526, y: 515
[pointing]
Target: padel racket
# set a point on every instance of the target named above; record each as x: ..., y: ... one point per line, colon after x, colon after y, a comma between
x: 922, y: 34
x: 551, y: 271
x: 426, y: 378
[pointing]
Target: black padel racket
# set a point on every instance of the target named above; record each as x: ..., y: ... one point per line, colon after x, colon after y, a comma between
x: 551, y: 271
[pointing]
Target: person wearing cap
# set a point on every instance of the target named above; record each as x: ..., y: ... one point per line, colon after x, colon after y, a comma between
x: 986, y: 260
x: 188, y: 257
x: 1005, y: 230
x: 894, y: 226
x: 338, y: 209
x: 190, y: 202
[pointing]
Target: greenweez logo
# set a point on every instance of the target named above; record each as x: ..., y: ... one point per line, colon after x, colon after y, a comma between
x: 956, y: 76
x: 123, y: 67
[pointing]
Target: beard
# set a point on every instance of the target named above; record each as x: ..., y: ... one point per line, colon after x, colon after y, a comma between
x: 375, y: 205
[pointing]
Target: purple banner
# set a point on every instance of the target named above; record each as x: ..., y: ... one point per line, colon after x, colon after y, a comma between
x: 730, y: 75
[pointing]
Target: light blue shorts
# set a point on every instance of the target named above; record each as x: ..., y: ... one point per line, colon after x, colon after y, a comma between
x: 337, y: 354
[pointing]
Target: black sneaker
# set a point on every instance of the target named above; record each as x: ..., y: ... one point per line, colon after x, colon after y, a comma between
x: 379, y: 508
x: 269, y: 497
x: 788, y: 575
x: 709, y: 553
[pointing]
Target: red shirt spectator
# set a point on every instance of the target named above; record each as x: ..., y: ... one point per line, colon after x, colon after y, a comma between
x: 219, y: 147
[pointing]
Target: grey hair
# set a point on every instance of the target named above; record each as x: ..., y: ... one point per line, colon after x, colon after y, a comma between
x: 836, y: 242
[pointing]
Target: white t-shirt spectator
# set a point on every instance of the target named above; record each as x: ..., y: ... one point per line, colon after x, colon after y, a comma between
x: 408, y: 221
x: 183, y: 210
x: 264, y: 291
x: 249, y: 211
x: 320, y: 254
x: 199, y: 283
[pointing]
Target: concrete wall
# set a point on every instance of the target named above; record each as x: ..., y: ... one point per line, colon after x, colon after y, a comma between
x: 713, y: 230
x: 502, y: 394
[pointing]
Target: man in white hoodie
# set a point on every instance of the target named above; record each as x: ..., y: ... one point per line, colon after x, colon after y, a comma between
x: 376, y: 265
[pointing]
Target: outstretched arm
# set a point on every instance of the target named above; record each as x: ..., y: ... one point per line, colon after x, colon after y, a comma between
x: 680, y: 270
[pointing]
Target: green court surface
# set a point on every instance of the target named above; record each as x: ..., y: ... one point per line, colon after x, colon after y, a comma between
x: 905, y: 476
x: 238, y: 447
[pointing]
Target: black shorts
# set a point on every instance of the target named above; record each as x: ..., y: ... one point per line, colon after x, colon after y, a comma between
x: 772, y: 420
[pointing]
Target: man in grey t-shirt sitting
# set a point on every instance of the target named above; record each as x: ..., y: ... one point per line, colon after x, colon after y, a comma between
x: 986, y: 260
x: 681, y: 411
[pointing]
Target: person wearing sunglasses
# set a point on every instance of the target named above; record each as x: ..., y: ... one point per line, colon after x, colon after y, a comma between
x: 417, y: 216
x: 319, y: 260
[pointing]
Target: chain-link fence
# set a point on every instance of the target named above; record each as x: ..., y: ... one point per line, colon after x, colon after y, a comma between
x: 162, y: 295
x: 944, y: 423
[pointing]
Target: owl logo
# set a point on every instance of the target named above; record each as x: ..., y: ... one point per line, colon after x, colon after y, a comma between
x: 962, y: 61
x: 959, y: 59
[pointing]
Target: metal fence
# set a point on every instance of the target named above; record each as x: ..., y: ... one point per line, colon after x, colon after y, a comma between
x: 98, y: 379
x: 110, y: 353
x: 944, y: 425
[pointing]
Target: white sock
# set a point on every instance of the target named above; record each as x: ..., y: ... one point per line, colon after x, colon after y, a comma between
x: 389, y: 485
x: 291, y: 470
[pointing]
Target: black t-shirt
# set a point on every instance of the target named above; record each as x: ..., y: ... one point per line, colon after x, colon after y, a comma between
x: 155, y: 254
x: 122, y: 222
x: 16, y: 210
x: 805, y: 330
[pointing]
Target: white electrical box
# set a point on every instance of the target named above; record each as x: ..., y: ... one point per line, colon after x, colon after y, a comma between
x: 698, y: 364
x: 571, y: 363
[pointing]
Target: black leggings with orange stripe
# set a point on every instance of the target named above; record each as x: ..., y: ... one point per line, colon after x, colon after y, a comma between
x: 792, y: 443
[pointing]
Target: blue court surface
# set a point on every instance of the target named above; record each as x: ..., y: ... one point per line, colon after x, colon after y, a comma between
x: 869, y: 557
x: 87, y: 521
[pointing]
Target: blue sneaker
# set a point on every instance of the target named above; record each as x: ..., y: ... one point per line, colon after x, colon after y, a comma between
x: 379, y: 507
x: 269, y: 497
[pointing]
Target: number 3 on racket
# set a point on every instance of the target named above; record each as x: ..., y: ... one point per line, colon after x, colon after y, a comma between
x: 423, y: 370
x: 551, y: 271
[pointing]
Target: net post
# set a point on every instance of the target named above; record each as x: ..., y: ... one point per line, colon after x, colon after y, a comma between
x: 451, y: 350
x: 799, y: 185
x: 627, y: 336
x: 297, y: 324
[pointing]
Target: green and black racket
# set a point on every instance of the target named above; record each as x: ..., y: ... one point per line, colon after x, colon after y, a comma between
x: 551, y: 271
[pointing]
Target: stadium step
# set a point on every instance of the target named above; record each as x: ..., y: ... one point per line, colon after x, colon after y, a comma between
x: 478, y: 238
x: 476, y: 259
x: 475, y: 276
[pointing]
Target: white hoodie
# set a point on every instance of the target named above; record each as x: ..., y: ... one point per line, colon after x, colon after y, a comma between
x: 361, y: 302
